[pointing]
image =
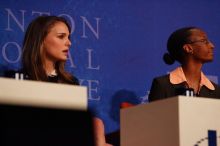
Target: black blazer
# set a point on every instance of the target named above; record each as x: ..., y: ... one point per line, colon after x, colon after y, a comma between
x: 53, y: 79
x: 162, y: 88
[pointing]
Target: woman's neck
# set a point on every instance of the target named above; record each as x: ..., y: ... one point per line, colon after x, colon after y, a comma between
x: 192, y: 73
x: 49, y: 67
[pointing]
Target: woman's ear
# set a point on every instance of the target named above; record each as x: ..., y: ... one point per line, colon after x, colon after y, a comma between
x: 188, y: 48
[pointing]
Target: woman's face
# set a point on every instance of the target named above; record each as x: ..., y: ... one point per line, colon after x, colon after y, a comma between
x: 202, y: 48
x: 57, y: 43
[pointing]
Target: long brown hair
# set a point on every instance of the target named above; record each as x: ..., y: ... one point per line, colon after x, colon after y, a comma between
x: 32, y: 56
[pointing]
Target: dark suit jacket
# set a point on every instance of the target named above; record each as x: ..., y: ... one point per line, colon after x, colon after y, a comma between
x: 53, y: 79
x: 162, y: 88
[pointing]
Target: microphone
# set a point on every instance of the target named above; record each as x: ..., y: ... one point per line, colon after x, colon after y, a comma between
x: 185, y: 91
x: 189, y: 92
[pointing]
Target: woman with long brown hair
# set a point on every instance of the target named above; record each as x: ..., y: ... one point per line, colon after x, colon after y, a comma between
x: 45, y: 50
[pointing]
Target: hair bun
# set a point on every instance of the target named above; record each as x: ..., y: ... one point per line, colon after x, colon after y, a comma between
x: 168, y: 59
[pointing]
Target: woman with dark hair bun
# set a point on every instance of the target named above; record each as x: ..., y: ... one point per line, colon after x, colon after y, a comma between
x: 191, y: 47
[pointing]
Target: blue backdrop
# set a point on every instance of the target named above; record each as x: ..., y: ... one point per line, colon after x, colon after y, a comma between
x: 117, y: 45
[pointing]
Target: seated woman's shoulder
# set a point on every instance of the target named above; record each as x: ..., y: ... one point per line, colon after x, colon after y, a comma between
x: 75, y: 80
x: 14, y: 73
x: 163, y: 77
x: 9, y: 73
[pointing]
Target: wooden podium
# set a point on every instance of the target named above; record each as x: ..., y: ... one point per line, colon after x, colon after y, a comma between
x: 177, y: 121
x: 42, y: 94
